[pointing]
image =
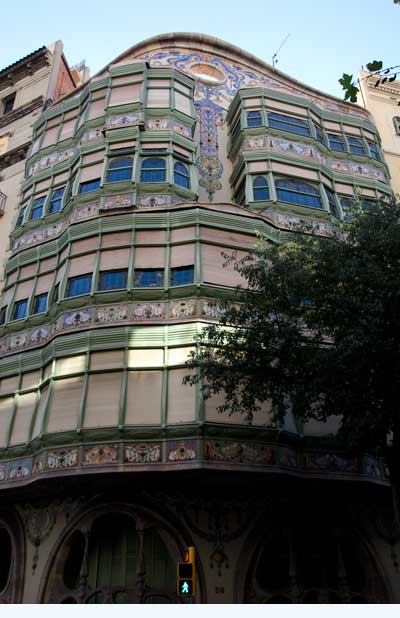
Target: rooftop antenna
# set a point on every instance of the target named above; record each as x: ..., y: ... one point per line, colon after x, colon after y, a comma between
x: 275, y: 56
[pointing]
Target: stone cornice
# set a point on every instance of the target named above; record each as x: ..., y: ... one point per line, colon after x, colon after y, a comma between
x: 26, y: 66
x: 20, y: 112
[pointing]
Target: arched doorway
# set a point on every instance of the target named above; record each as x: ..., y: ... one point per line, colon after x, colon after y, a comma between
x: 112, y: 558
x: 313, y: 564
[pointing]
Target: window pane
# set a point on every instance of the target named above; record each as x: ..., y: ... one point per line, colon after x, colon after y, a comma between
x: 90, y: 185
x: 3, y: 312
x: 148, y: 278
x: 37, y: 208
x: 260, y: 188
x: 356, y: 145
x: 288, y: 123
x: 331, y: 201
x: 56, y: 200
x: 181, y: 175
x: 113, y: 280
x: 254, y: 119
x: 153, y: 170
x: 336, y: 142
x: 40, y: 303
x: 20, y: 309
x: 297, y: 192
x: 373, y: 149
x: 79, y: 285
x: 21, y: 216
x: 182, y: 276
x: 120, y: 169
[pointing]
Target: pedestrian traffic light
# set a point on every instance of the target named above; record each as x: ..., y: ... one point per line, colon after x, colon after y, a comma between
x: 187, y: 573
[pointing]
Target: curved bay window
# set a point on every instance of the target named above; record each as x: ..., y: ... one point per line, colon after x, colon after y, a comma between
x: 153, y: 169
x: 181, y: 175
x: 120, y: 169
x: 260, y: 189
x: 298, y: 192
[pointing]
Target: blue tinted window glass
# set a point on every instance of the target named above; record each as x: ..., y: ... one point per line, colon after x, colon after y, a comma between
x: 297, y: 192
x: 148, y: 278
x: 90, y: 185
x: 3, y: 313
x: 113, y: 280
x: 373, y: 150
x: 260, y: 188
x: 182, y: 276
x: 336, y: 142
x: 37, y: 208
x: 288, y: 123
x: 120, y: 169
x: 20, y: 309
x: 153, y: 170
x: 254, y: 119
x: 56, y: 200
x: 79, y: 285
x: 356, y: 145
x: 181, y: 175
x: 40, y: 303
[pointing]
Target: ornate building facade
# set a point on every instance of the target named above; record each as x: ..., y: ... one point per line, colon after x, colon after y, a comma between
x: 136, y: 184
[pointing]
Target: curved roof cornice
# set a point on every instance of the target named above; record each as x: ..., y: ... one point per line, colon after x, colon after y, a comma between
x: 211, y: 44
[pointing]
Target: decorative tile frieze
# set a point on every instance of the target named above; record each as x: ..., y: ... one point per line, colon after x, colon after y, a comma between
x: 107, y: 315
x: 187, y: 451
x: 100, y: 455
x: 18, y: 470
x: 113, y: 313
x: 148, y: 311
x: 184, y: 450
x: 61, y: 458
x: 142, y: 453
x: 238, y: 452
x: 182, y: 309
x: 341, y: 166
x: 211, y: 310
x: 331, y: 462
x: 113, y: 202
x: 124, y: 120
x: 157, y: 201
x: 291, y: 222
x: 50, y: 160
x: 92, y: 135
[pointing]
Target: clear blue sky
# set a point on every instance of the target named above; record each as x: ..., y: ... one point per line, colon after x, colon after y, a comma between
x: 327, y: 37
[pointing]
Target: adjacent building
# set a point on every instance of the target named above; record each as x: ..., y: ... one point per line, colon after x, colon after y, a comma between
x: 381, y: 97
x: 136, y: 183
x: 26, y: 87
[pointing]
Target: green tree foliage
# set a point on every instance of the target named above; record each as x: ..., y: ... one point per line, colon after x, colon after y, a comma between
x: 317, y: 330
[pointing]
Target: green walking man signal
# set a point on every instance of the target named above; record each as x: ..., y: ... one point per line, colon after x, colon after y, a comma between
x: 186, y: 575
